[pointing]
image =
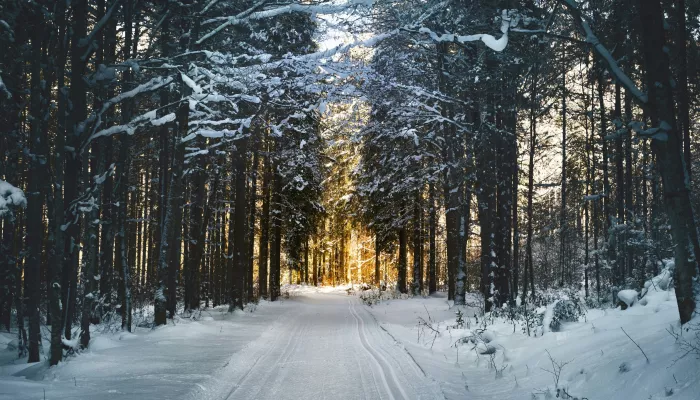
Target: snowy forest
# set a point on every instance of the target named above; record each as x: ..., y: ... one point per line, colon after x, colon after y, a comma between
x: 333, y: 198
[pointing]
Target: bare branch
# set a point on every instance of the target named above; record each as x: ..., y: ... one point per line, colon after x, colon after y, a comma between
x: 640, y: 349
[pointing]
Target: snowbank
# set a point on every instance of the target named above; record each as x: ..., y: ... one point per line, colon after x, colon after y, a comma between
x: 485, y: 359
x: 165, y: 363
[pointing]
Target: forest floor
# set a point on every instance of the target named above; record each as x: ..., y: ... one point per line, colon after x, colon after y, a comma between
x: 321, y: 343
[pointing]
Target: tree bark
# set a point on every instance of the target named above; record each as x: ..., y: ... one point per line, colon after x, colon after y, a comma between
x: 670, y: 155
x: 403, y: 260
x: 264, y: 225
x: 240, y: 261
x: 35, y: 196
x: 432, y: 251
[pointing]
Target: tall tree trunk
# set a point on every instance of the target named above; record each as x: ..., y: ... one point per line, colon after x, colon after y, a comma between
x: 76, y: 115
x: 417, y: 243
x: 534, y: 109
x: 607, y: 209
x: 56, y: 255
x: 403, y: 259
x: 251, y: 219
x: 169, y: 233
x: 683, y: 96
x: 377, y: 254
x: 276, y: 237
x: 123, y: 173
x: 432, y: 251
x: 562, y: 220
x: 620, y: 181
x: 35, y: 195
x: 240, y: 261
x: 264, y: 225
x: 197, y: 232
x: 670, y: 155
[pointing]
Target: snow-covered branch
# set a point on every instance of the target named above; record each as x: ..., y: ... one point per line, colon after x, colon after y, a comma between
x: 216, y: 134
x: 602, y: 51
x: 489, y: 40
x: 3, y: 88
x: 242, y: 18
x: 10, y: 197
x: 152, y: 85
x: 7, y: 27
x: 128, y: 128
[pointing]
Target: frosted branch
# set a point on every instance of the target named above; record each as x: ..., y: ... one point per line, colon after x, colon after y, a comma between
x: 603, y: 52
x: 288, y: 9
x: 3, y: 88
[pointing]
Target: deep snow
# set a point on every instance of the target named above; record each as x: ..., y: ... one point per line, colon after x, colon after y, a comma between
x: 603, y: 363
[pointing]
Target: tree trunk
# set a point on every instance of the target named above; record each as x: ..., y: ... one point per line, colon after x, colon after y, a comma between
x: 168, y: 233
x: 432, y: 222
x: 670, y: 155
x: 683, y: 96
x: 251, y: 219
x: 534, y: 109
x: 417, y: 286
x: 240, y: 261
x: 276, y: 239
x: 377, y: 253
x: 562, y: 220
x: 35, y: 197
x: 197, y: 233
x: 403, y: 260
x: 264, y: 225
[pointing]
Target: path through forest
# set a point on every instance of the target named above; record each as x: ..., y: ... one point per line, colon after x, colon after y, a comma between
x: 326, y: 347
x: 320, y: 344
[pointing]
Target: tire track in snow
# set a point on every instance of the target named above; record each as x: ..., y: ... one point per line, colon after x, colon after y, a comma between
x: 253, y: 367
x: 432, y: 385
x: 379, y: 360
x: 299, y: 334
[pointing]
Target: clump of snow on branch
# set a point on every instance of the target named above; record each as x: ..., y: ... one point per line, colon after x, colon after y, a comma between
x: 10, y: 197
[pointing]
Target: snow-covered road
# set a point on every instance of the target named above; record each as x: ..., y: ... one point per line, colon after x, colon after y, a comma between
x: 318, y: 344
x: 327, y: 346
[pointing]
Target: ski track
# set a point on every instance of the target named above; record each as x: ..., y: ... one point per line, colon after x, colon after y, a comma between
x: 326, y: 347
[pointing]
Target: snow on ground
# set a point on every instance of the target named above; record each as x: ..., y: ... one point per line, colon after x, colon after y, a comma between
x: 327, y: 347
x: 324, y: 343
x: 165, y: 363
x: 602, y: 362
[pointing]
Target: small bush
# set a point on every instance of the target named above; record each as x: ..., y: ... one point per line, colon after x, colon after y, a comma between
x: 566, y: 311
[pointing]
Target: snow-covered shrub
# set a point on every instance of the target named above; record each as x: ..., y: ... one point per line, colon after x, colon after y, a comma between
x: 656, y: 289
x: 479, y: 339
x: 459, y: 322
x: 566, y: 310
x: 376, y: 296
x: 627, y: 298
x: 371, y: 297
x: 532, y: 320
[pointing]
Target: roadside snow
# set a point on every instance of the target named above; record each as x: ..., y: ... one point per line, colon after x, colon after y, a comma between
x: 324, y: 343
x: 165, y: 363
x: 601, y: 361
